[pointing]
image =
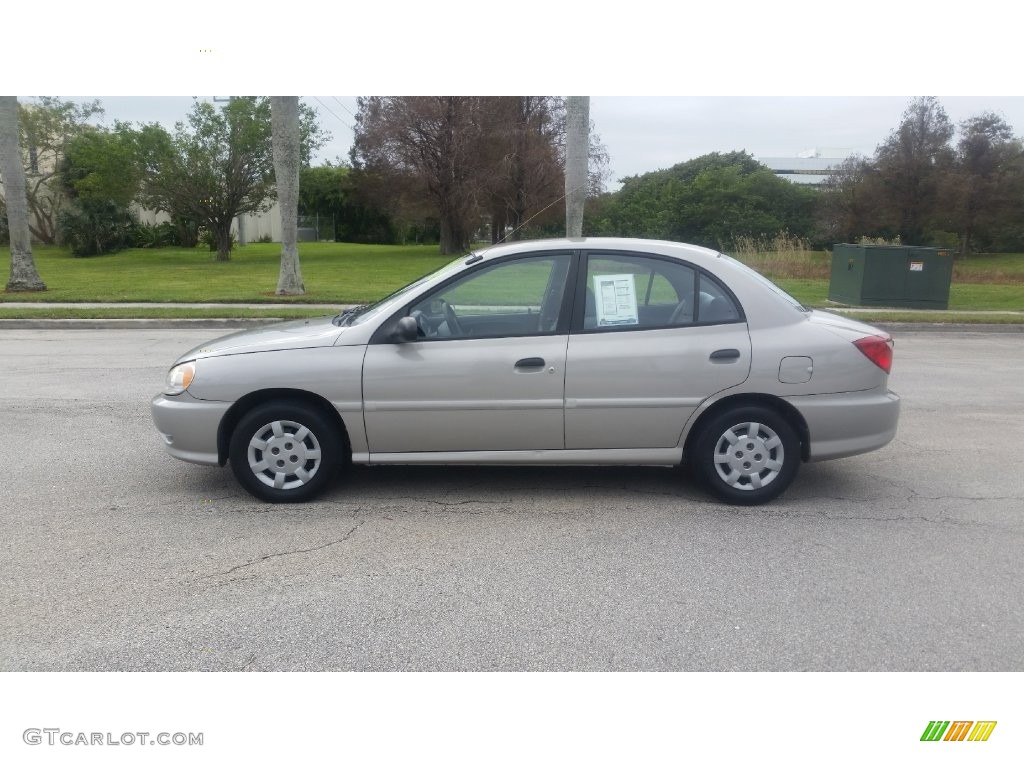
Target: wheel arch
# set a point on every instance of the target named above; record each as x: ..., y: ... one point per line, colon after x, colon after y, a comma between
x: 792, y: 416
x: 246, y: 403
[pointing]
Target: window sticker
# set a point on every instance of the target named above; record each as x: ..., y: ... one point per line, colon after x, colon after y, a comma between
x: 616, y: 300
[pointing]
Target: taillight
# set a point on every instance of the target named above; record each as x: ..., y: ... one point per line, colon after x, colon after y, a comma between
x: 877, y: 349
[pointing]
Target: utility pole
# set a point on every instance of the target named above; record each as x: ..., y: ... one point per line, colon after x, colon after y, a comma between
x: 577, y: 141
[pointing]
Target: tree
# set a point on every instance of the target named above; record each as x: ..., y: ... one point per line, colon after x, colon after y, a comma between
x: 101, y: 165
x: 24, y: 276
x: 527, y: 144
x: 849, y: 206
x: 47, y: 126
x: 99, y: 175
x: 986, y: 184
x: 577, y: 120
x: 219, y: 164
x: 438, y: 140
x: 472, y: 158
x: 710, y: 200
x: 911, y: 163
x: 284, y: 114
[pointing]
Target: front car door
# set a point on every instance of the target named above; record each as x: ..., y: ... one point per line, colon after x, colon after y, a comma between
x: 488, y: 371
x: 652, y: 337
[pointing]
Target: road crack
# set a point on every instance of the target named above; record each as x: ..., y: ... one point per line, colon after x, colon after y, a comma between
x: 264, y: 558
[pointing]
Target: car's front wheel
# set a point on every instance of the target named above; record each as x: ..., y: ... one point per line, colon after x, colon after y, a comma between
x: 748, y: 455
x: 285, y: 451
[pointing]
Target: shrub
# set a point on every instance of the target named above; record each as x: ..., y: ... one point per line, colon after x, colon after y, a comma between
x: 186, y: 232
x: 865, y: 240
x: 265, y: 239
x: 93, y: 227
x: 153, y: 235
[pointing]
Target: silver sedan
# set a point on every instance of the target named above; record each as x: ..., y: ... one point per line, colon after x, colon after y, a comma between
x: 589, y: 351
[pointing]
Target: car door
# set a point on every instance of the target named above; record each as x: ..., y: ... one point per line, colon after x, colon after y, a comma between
x: 488, y: 371
x: 652, y: 337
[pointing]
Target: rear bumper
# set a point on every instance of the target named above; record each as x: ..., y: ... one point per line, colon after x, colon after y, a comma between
x: 189, y: 426
x: 848, y: 423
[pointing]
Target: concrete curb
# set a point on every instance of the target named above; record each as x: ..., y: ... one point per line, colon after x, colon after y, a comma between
x: 896, y: 328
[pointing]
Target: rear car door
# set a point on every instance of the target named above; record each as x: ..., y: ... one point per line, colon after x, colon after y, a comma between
x: 652, y: 337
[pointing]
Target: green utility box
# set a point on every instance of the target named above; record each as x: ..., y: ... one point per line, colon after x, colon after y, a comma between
x: 891, y: 276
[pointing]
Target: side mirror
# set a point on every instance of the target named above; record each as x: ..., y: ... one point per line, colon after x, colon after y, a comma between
x: 407, y: 329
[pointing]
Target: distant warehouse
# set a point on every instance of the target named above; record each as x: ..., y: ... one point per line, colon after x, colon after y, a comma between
x: 812, y: 167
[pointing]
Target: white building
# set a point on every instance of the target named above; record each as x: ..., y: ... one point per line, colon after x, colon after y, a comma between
x: 811, y: 167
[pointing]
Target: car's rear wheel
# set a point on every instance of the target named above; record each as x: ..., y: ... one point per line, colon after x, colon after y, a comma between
x: 748, y: 455
x: 285, y: 451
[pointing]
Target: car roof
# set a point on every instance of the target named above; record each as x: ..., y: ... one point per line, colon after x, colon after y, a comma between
x: 663, y: 247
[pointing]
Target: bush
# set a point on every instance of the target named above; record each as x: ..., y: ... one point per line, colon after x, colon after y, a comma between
x: 94, y: 227
x: 186, y: 232
x: 265, y: 239
x: 154, y: 235
x: 5, y: 232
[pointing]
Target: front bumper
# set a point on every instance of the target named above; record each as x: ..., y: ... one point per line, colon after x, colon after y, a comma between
x: 848, y: 423
x: 188, y: 426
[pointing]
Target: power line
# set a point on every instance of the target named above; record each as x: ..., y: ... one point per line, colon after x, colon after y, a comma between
x: 335, y: 114
x: 342, y: 104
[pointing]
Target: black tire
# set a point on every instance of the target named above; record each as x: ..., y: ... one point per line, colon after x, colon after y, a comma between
x: 306, y: 453
x: 760, y: 464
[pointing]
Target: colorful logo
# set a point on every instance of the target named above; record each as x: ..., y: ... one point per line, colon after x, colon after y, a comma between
x: 958, y: 730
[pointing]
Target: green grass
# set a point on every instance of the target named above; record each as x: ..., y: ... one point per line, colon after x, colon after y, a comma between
x: 119, y: 313
x: 334, y: 273
x: 990, y: 268
x: 347, y: 273
x: 896, y: 316
x: 962, y: 296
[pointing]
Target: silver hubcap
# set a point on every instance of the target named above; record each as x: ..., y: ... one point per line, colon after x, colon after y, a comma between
x: 748, y: 456
x: 284, y: 454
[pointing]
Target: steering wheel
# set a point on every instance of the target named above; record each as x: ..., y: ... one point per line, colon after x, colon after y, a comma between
x: 454, y: 329
x: 422, y: 324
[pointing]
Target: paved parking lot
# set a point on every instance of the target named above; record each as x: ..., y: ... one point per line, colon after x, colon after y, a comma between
x: 117, y: 557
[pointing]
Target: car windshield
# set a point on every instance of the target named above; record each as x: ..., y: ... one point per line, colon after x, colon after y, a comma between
x: 364, y: 312
x: 764, y: 281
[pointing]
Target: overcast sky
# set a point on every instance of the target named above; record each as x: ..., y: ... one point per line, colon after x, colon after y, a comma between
x: 645, y: 133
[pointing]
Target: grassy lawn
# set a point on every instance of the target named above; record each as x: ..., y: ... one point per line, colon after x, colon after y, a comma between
x: 347, y: 273
x: 341, y: 273
x: 798, y: 262
x: 962, y: 296
x: 120, y: 313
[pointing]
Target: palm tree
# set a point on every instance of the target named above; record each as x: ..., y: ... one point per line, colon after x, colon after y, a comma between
x: 284, y: 121
x: 24, y: 276
x: 577, y: 143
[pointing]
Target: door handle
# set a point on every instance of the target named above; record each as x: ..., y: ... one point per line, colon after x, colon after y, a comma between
x: 724, y: 355
x: 530, y: 362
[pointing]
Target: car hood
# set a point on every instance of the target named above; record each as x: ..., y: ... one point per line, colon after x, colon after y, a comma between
x: 843, y: 326
x: 297, y: 334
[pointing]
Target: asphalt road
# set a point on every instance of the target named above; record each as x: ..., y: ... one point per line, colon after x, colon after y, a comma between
x: 117, y: 557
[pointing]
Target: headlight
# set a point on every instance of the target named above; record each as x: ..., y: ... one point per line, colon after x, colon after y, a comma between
x: 179, y: 377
